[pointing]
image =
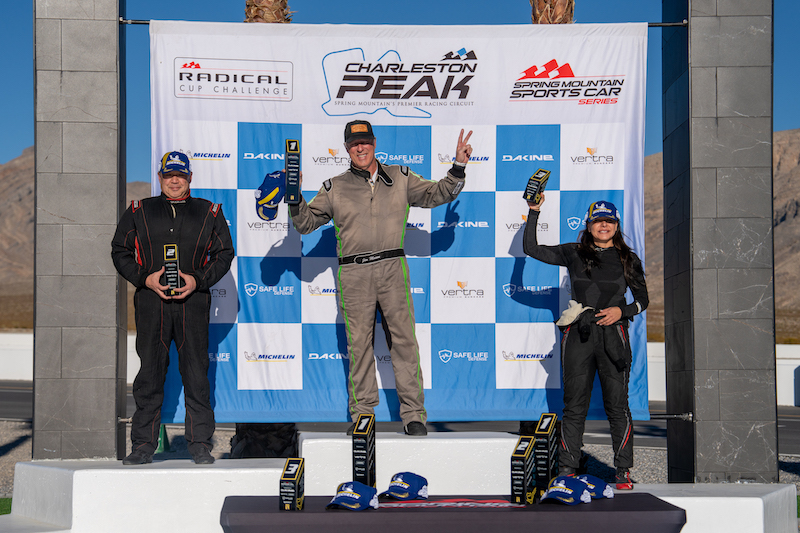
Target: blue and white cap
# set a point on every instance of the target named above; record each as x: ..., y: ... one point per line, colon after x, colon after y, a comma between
x: 597, y: 487
x: 602, y: 209
x: 567, y: 489
x: 175, y: 162
x: 407, y: 486
x: 354, y: 496
x: 270, y: 194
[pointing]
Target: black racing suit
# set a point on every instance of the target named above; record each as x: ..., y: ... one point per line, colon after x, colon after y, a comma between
x: 205, y: 251
x: 587, y: 348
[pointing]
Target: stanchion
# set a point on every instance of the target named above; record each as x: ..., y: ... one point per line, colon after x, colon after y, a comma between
x: 163, y: 440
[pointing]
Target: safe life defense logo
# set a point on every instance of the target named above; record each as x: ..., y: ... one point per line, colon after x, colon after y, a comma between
x: 510, y: 289
x: 401, y: 87
x: 219, y: 357
x: 251, y: 289
x: 233, y: 79
x: 557, y: 82
x: 575, y: 222
x: 400, y: 159
x: 446, y: 355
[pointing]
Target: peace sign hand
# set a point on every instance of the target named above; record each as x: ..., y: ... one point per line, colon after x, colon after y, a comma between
x: 463, y: 148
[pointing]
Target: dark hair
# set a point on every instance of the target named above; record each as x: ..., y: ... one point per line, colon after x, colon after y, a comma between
x: 588, y: 254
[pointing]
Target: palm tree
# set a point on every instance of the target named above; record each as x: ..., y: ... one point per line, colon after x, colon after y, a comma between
x: 552, y: 11
x: 267, y: 11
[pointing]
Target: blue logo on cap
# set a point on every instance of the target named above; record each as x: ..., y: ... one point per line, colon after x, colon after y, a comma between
x: 407, y: 486
x: 175, y: 162
x: 354, y: 496
x: 270, y: 194
x: 567, y: 489
x: 602, y: 210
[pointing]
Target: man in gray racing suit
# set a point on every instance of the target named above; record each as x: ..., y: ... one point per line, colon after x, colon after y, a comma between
x: 369, y: 206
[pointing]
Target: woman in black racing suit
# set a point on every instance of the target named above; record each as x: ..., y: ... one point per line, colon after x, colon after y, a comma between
x: 595, y: 329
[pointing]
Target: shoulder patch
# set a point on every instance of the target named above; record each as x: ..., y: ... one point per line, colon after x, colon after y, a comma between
x: 404, y: 170
x: 215, y: 208
x: 327, y: 184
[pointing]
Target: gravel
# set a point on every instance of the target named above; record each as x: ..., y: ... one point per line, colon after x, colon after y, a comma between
x: 650, y: 463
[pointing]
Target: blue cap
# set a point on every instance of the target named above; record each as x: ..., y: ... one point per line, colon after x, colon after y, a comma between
x: 602, y: 210
x: 597, y: 487
x: 567, y: 489
x: 175, y: 162
x: 270, y: 194
x: 407, y: 486
x: 354, y: 496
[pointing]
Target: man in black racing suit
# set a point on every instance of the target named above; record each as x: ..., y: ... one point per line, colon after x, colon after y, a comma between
x: 205, y: 252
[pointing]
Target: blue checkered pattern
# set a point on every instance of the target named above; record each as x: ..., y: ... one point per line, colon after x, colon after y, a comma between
x: 484, y: 311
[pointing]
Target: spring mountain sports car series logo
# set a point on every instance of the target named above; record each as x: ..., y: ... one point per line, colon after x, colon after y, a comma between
x: 554, y: 82
x: 403, y: 89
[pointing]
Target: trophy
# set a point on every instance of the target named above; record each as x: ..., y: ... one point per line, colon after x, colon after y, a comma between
x: 292, y: 161
x: 364, y: 450
x: 535, y: 188
x: 522, y: 476
x: 291, y: 494
x: 544, y: 451
x: 171, y: 276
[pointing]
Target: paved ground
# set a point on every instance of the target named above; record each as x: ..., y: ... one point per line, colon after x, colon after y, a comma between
x: 15, y: 446
x: 650, y: 463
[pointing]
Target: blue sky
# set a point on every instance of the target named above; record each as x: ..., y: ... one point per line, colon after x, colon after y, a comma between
x: 16, y: 61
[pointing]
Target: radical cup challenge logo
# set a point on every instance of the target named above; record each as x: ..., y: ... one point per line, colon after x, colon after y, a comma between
x: 233, y: 79
x: 557, y: 82
x: 402, y: 88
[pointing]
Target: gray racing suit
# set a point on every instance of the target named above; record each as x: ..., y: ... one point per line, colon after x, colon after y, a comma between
x: 370, y: 225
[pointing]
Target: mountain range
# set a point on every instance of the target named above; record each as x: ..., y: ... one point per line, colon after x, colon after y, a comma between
x: 17, y: 237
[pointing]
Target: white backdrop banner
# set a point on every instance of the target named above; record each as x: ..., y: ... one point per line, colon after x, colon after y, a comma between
x: 569, y: 99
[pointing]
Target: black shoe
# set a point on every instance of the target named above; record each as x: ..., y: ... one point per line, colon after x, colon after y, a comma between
x: 583, y: 465
x: 351, y: 429
x: 416, y: 429
x: 138, y: 457
x: 566, y: 471
x: 623, y: 479
x: 201, y: 456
